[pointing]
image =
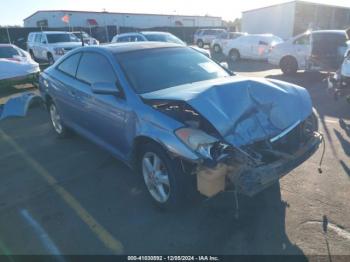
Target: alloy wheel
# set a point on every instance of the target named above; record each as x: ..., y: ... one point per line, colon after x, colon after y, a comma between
x: 156, y: 177
x: 56, y: 119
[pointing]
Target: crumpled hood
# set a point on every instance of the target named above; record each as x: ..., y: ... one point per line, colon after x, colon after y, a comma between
x: 243, y: 110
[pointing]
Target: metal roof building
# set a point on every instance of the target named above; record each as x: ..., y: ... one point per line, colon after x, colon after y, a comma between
x: 291, y: 18
x: 62, y: 18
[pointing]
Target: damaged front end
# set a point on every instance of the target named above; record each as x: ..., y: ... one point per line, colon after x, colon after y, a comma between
x: 248, y: 169
x: 252, y: 168
x: 247, y: 133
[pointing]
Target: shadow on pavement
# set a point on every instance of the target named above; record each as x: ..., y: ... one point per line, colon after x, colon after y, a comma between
x: 345, y: 167
x: 118, y: 200
x: 345, y: 126
x: 260, y: 228
x: 344, y: 142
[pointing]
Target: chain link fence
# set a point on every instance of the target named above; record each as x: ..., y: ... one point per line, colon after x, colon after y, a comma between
x: 18, y: 35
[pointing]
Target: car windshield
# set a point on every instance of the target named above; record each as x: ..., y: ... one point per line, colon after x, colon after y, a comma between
x: 155, y: 69
x: 57, y: 38
x: 164, y: 38
x: 8, y: 52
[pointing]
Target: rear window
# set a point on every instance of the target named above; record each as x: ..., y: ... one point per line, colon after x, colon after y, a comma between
x: 70, y: 65
x: 164, y: 38
x: 8, y: 52
x: 330, y: 39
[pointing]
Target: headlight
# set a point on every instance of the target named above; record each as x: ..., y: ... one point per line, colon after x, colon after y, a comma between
x: 59, y: 51
x: 197, y: 140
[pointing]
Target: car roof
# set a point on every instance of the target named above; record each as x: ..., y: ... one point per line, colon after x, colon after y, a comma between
x: 128, y: 34
x: 54, y: 32
x: 329, y: 31
x: 118, y: 48
x: 155, y: 32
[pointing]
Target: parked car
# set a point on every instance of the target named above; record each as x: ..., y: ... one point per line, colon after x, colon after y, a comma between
x: 154, y: 37
x: 204, y: 37
x: 256, y: 47
x: 339, y: 82
x: 49, y: 46
x: 223, y: 39
x: 89, y: 40
x: 316, y: 50
x: 179, y: 119
x: 16, y: 65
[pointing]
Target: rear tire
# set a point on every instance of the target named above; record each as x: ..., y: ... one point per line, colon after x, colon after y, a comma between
x: 164, y: 178
x: 56, y: 121
x: 217, y: 49
x: 234, y: 55
x: 200, y: 43
x: 289, y: 66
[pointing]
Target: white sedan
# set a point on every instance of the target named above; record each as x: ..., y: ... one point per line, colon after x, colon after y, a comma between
x: 16, y: 64
x: 255, y: 47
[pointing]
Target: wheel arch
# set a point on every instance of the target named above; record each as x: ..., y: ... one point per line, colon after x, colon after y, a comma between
x: 289, y: 56
x: 139, y: 141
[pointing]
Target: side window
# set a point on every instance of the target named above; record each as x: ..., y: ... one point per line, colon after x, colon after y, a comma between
x: 122, y: 39
x: 70, y: 64
x: 303, y: 40
x: 31, y: 37
x: 38, y: 38
x: 43, y: 39
x: 94, y: 68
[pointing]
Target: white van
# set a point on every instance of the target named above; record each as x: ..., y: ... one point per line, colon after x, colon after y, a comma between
x: 321, y: 50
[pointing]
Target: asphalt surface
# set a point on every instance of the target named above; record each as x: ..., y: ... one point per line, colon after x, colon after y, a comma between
x: 68, y: 196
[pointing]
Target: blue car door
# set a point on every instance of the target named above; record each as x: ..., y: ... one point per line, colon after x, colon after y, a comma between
x: 104, y: 117
x: 63, y: 84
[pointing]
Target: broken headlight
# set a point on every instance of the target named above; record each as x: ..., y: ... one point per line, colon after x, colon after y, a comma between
x: 197, y: 140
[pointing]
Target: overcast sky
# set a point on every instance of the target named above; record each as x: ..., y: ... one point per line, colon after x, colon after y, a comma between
x: 14, y: 11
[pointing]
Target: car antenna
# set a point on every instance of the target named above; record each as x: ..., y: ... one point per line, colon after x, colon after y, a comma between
x: 81, y: 38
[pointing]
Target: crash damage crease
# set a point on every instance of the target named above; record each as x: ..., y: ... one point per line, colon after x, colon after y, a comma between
x: 262, y: 133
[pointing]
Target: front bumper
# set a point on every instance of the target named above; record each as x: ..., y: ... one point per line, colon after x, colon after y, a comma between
x: 254, y: 180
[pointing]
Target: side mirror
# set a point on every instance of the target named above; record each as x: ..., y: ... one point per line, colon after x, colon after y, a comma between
x: 105, y: 88
x: 44, y: 42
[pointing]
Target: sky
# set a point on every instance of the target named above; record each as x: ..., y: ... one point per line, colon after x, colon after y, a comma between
x: 14, y: 11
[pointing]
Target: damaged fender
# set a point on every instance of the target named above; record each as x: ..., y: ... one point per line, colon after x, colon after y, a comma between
x: 18, y: 106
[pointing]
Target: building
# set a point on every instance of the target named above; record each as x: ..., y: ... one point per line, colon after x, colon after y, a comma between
x: 292, y: 18
x: 64, y: 18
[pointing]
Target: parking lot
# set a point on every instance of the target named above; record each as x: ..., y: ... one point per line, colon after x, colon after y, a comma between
x: 68, y: 196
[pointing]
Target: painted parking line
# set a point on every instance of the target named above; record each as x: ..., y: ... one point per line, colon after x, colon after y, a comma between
x: 44, y: 237
x: 105, y: 237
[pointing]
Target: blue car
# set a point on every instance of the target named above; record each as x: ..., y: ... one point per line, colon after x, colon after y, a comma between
x: 180, y: 119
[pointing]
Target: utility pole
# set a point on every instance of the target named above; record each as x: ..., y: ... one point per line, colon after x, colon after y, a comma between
x: 8, y: 34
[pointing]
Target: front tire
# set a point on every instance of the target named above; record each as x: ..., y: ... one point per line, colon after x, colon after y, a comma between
x: 163, y: 177
x: 50, y: 59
